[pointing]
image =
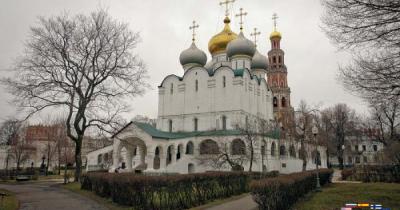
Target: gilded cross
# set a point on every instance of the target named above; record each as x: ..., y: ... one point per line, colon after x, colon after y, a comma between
x: 274, y: 18
x: 193, y: 28
x: 241, y: 15
x: 255, y: 34
x: 227, y: 2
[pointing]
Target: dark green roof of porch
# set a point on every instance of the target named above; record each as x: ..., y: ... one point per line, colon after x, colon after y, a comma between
x: 180, y: 135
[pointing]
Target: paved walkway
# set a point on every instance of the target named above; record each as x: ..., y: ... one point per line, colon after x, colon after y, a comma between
x: 244, y: 203
x: 45, y: 195
x: 337, y: 177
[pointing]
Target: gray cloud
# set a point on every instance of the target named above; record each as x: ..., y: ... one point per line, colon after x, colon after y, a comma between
x: 164, y: 25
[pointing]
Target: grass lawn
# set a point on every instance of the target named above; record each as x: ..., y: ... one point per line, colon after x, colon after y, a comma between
x: 76, y: 187
x: 9, y: 202
x: 335, y: 196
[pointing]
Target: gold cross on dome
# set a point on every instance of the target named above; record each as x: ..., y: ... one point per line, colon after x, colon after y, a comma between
x: 226, y: 2
x: 241, y: 15
x: 255, y: 34
x: 193, y: 28
x: 274, y: 18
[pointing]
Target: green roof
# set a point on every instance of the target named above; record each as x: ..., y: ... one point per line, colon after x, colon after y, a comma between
x: 149, y: 129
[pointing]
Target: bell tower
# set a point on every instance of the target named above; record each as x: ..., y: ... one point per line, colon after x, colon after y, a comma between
x: 277, y: 81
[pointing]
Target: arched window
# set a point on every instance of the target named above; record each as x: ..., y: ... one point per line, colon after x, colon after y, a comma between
x: 223, y: 81
x: 196, y: 124
x: 106, y: 157
x: 170, y: 125
x: 189, y: 148
x: 282, y: 150
x: 99, y: 159
x: 179, y: 152
x: 172, y: 89
x: 280, y: 60
x: 209, y: 147
x: 274, y: 59
x: 224, y: 122
x: 275, y: 102
x: 197, y: 85
x: 292, y: 151
x: 156, y: 161
x: 273, y: 149
x: 283, y: 101
x: 238, y: 147
x: 170, y: 151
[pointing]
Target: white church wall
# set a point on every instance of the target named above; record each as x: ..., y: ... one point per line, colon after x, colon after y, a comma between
x: 211, y: 99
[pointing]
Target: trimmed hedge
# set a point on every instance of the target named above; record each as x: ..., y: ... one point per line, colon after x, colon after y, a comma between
x: 168, y: 192
x: 283, y: 191
x: 373, y: 173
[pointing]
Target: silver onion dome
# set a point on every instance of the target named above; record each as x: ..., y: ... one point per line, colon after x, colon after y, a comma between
x: 240, y: 46
x: 259, y: 61
x: 193, y: 55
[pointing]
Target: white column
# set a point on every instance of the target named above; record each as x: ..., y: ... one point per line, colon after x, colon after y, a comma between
x: 129, y: 159
x: 115, y: 154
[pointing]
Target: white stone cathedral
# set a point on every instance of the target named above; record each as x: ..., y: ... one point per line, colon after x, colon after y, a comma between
x: 204, y: 107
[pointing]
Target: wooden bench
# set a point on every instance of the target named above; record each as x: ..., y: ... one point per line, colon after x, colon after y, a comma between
x: 23, y: 178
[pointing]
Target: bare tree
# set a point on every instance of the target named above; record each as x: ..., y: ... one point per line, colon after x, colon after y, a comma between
x: 83, y: 65
x: 239, y: 151
x: 8, y: 134
x: 304, y: 117
x: 223, y: 156
x: 386, y: 114
x: 20, y: 149
x: 371, y: 30
x: 343, y: 121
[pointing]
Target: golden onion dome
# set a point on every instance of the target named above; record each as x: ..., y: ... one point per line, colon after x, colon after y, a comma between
x: 219, y: 42
x: 275, y: 34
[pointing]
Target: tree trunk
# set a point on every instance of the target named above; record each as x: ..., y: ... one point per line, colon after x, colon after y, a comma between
x: 78, y: 158
x: 303, y: 156
x: 251, y: 156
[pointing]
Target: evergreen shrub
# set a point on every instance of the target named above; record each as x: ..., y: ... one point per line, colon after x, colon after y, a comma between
x: 283, y: 191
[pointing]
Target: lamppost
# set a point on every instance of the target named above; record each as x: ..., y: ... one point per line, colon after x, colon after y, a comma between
x: 344, y: 156
x: 315, y: 133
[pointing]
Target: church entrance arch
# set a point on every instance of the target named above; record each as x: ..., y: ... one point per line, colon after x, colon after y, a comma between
x: 126, y: 151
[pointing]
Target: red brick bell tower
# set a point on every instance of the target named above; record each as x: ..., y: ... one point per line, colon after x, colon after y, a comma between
x: 277, y: 81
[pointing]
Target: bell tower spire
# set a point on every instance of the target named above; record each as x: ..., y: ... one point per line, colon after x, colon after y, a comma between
x: 277, y: 79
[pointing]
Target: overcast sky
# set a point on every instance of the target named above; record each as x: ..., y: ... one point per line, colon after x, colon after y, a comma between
x: 311, y: 59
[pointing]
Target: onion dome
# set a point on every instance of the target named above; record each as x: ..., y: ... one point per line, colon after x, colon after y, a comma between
x: 259, y: 61
x: 219, y: 42
x: 275, y: 34
x: 193, y: 55
x: 240, y: 46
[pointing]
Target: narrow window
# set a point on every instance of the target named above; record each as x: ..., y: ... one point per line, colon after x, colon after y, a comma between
x: 364, y: 148
x: 275, y: 102
x: 356, y: 148
x: 223, y: 122
x: 172, y: 89
x: 375, y: 148
x: 196, y: 124
x: 170, y: 125
x: 197, y: 85
x: 223, y: 81
x: 280, y: 60
x: 274, y: 59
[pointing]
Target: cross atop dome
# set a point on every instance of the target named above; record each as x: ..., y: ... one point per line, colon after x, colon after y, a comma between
x: 241, y: 15
x: 227, y: 2
x: 255, y: 34
x: 193, y: 28
x: 275, y: 18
